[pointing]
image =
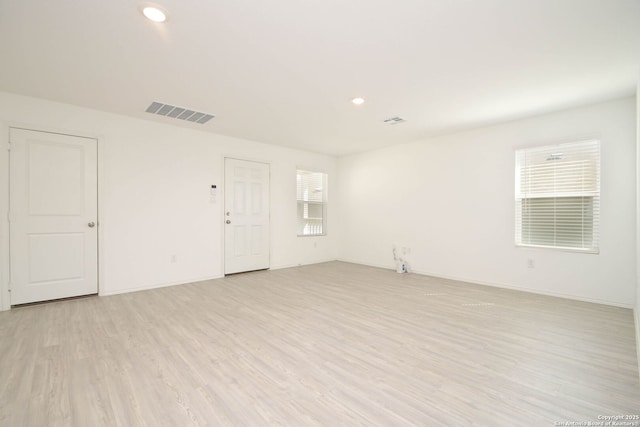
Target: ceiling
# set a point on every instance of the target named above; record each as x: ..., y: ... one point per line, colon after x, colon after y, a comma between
x: 284, y: 71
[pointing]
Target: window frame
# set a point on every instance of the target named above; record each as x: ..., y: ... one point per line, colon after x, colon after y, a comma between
x: 322, y: 203
x: 591, y: 147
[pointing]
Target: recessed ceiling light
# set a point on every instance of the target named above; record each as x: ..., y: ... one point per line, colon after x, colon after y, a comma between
x: 155, y: 14
x: 358, y: 101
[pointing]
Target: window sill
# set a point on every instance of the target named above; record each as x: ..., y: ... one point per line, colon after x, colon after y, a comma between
x: 561, y: 249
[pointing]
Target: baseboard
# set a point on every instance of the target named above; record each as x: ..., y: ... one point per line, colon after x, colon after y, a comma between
x: 422, y: 273
x: 281, y: 266
x: 198, y: 279
x: 500, y: 285
x: 368, y: 264
x: 158, y: 285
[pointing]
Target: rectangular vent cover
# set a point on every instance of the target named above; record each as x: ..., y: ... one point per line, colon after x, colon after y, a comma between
x: 178, y: 113
x: 394, y: 120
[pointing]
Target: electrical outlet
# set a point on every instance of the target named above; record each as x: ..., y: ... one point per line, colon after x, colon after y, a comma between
x: 531, y: 263
x: 174, y: 258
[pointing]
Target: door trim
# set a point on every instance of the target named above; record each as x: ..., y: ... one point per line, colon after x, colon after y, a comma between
x: 5, y: 256
x: 222, y: 198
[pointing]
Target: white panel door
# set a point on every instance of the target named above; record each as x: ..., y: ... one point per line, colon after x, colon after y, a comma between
x: 246, y: 217
x: 53, y: 216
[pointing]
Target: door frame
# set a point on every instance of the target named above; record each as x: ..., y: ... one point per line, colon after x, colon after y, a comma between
x: 222, y: 198
x: 5, y: 255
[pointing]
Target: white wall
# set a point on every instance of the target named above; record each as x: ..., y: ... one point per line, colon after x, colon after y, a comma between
x: 154, y: 182
x: 637, y: 305
x: 451, y: 201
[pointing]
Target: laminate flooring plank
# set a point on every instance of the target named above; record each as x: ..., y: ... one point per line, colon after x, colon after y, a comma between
x: 321, y: 345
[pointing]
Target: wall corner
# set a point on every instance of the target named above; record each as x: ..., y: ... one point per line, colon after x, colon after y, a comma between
x: 5, y: 300
x: 636, y: 310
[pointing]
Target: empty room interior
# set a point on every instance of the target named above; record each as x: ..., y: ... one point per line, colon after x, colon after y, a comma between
x: 360, y: 213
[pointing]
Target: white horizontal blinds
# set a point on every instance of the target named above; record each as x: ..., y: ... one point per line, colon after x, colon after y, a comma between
x: 558, y: 196
x: 311, y: 196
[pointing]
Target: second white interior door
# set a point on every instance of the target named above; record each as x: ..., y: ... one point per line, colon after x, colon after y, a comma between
x: 246, y: 216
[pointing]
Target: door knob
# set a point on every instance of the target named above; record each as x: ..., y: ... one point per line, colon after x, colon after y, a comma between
x: 228, y: 221
x: 91, y: 224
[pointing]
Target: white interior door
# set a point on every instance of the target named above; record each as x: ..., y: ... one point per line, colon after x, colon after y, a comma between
x: 53, y: 216
x: 246, y: 217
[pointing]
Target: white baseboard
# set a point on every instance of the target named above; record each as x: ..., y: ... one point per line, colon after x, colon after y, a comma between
x: 158, y: 285
x: 281, y: 266
x: 500, y: 285
x: 197, y: 279
x: 368, y: 264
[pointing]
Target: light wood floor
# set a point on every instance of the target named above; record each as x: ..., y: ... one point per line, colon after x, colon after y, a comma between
x: 330, y: 344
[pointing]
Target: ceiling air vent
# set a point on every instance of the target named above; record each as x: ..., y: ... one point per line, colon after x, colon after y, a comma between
x: 394, y: 120
x: 178, y: 113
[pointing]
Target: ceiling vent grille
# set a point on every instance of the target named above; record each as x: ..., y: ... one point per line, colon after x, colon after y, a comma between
x: 394, y: 120
x: 178, y: 113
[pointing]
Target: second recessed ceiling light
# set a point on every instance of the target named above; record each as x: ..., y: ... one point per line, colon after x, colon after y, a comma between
x: 358, y: 101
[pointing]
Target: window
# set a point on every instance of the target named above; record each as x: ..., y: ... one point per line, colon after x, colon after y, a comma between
x: 558, y: 196
x: 312, y: 203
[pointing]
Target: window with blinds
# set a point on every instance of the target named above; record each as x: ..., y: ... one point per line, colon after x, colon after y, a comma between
x: 312, y: 203
x: 558, y: 196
